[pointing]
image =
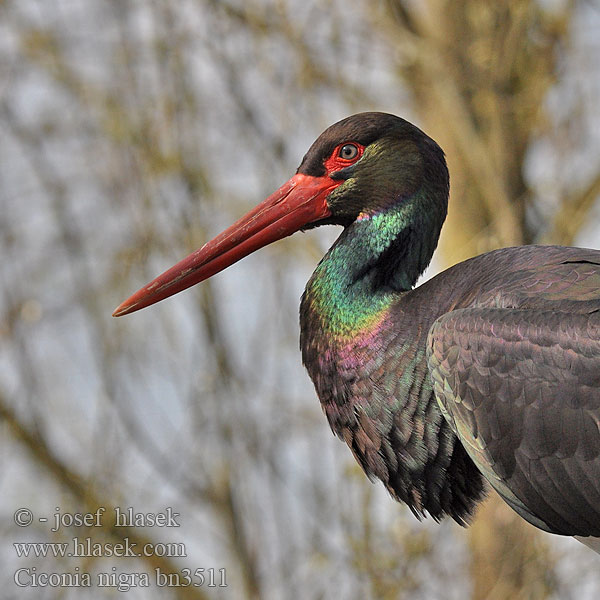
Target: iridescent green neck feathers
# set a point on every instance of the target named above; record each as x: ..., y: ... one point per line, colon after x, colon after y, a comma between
x: 375, y: 258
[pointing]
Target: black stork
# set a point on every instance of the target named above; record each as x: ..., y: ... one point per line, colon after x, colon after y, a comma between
x: 489, y: 371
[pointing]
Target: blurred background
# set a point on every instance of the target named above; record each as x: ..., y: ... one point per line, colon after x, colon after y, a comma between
x: 130, y: 133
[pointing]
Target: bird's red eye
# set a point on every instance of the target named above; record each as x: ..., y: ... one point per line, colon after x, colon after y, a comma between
x: 343, y: 156
x: 348, y: 151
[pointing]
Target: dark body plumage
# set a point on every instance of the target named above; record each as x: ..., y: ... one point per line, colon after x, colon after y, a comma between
x: 509, y: 342
x: 516, y: 370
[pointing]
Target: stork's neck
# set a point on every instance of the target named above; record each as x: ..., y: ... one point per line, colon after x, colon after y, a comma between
x: 375, y: 259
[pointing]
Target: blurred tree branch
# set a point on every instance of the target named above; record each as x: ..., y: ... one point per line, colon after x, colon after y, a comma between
x: 573, y: 214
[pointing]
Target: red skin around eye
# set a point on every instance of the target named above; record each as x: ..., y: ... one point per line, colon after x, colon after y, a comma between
x: 336, y: 162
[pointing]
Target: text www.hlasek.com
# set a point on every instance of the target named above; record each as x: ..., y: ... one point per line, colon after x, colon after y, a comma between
x: 85, y: 548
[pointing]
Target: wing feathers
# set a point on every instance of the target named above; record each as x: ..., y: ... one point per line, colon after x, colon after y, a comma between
x: 521, y: 389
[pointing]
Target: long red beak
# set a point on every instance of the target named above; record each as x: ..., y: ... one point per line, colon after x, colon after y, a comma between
x: 298, y: 202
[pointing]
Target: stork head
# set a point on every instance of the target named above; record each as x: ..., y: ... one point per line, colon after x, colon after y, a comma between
x: 360, y: 166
